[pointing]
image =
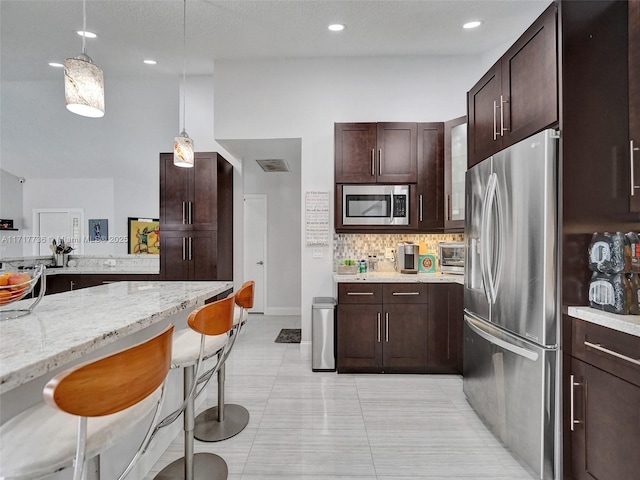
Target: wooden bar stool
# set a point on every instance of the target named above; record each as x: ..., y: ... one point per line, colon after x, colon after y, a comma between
x: 226, y: 420
x: 207, y: 336
x: 95, y: 405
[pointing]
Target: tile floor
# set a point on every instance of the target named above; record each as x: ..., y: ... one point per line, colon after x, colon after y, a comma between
x: 324, y: 426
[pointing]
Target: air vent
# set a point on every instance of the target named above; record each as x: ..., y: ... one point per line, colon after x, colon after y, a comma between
x: 273, y: 165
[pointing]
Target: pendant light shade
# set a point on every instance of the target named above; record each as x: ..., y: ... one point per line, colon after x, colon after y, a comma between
x: 183, y: 145
x: 84, y: 81
x: 183, y: 150
x: 84, y: 87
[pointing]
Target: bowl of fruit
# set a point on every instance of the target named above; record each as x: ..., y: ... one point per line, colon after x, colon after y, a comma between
x: 15, y: 285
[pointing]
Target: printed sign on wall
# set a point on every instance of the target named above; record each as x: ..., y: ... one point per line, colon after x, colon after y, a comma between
x: 317, y: 218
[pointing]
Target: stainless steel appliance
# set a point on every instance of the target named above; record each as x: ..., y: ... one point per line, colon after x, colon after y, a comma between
x: 407, y: 257
x: 375, y: 204
x: 511, y: 297
x: 323, y: 341
x: 451, y: 257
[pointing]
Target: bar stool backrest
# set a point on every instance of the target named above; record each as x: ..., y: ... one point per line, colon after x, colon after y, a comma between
x: 214, y: 318
x: 115, y: 382
x: 244, y: 296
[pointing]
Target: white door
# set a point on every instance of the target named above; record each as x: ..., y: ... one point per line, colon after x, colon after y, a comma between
x: 255, y: 247
x: 49, y: 224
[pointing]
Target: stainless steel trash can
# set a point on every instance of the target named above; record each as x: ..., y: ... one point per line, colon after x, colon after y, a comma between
x: 323, y: 351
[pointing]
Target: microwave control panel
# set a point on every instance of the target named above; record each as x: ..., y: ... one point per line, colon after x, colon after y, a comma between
x: 399, y: 205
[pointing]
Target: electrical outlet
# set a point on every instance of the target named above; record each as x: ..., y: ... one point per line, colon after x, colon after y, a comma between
x: 388, y: 253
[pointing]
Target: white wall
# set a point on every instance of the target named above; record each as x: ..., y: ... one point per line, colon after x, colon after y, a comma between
x: 303, y: 99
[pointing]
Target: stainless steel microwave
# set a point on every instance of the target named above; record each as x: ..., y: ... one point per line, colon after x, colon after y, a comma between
x: 375, y: 204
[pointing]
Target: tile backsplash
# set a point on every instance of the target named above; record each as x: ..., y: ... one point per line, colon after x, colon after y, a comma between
x: 360, y: 245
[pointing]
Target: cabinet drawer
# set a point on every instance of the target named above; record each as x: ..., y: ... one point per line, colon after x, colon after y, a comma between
x: 359, y: 293
x: 615, y: 352
x: 404, y: 293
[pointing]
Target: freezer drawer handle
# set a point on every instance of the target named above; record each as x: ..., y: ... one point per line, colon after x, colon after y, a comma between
x: 359, y: 293
x: 602, y: 349
x: 574, y: 422
x: 523, y: 352
x: 399, y: 294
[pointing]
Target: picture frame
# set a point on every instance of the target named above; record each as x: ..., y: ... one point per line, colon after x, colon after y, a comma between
x: 98, y: 229
x: 144, y: 235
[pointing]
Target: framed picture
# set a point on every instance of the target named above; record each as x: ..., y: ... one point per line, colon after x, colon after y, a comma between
x: 144, y: 235
x: 98, y: 229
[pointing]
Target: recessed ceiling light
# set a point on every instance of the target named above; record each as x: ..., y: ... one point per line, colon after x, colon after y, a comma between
x: 86, y: 34
x: 150, y: 62
x: 336, y: 27
x: 56, y: 64
x: 474, y: 24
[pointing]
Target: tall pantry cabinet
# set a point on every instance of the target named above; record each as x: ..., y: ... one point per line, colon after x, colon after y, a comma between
x: 196, y: 219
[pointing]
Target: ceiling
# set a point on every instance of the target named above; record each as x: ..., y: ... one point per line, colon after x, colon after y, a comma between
x: 35, y: 32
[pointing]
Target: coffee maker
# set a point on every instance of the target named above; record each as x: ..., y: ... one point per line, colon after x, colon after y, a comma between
x: 407, y: 257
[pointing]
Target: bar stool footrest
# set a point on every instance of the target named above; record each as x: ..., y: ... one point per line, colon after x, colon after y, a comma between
x: 209, y: 429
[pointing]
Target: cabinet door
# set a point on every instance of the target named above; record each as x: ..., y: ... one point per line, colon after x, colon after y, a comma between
x: 606, y: 438
x: 405, y: 337
x: 431, y: 177
x: 355, y: 152
x: 397, y: 153
x: 634, y: 100
x: 202, y: 254
x: 174, y: 194
x: 174, y: 263
x: 359, y: 338
x: 445, y: 328
x: 455, y: 167
x: 203, y: 209
x: 482, y: 111
x: 529, y: 98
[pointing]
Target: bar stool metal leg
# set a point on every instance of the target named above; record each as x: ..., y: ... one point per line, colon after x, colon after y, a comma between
x: 192, y: 466
x: 221, y: 422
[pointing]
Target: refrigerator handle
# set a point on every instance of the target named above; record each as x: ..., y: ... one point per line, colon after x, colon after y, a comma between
x: 502, y: 342
x: 483, y: 241
x: 487, y: 204
x: 497, y: 246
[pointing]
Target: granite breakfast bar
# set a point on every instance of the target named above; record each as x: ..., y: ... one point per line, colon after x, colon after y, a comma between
x: 68, y: 328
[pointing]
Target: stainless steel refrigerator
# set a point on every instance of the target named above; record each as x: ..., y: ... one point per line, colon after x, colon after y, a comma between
x: 510, y: 300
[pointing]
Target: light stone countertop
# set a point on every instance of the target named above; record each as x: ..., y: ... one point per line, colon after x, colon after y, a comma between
x: 91, y: 264
x: 622, y: 323
x: 395, y: 277
x: 67, y: 326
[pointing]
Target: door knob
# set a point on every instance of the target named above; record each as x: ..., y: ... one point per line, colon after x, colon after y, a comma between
x: 260, y: 263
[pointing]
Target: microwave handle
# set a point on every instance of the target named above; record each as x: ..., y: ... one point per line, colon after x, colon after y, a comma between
x: 391, y: 221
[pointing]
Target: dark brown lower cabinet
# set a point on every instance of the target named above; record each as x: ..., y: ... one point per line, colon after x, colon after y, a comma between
x: 399, y: 328
x: 604, y: 401
x: 189, y: 255
x: 606, y: 441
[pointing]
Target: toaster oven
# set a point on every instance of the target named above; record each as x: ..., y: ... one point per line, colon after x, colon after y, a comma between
x: 451, y: 257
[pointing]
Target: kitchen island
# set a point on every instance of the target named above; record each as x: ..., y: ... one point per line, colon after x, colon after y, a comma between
x: 68, y: 328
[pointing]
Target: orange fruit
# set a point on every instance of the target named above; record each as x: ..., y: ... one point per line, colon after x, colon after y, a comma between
x: 5, y: 297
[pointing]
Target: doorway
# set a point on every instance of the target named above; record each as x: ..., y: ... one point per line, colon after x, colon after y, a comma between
x: 255, y: 247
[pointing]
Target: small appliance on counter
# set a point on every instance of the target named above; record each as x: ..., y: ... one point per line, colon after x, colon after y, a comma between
x: 407, y: 257
x: 451, y: 257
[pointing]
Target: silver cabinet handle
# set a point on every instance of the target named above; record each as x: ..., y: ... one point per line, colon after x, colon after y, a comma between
x: 379, y: 161
x: 386, y: 327
x: 184, y: 249
x: 359, y: 293
x: 190, y: 213
x: 373, y: 162
x: 399, y: 294
x: 631, y: 155
x: 602, y: 349
x: 502, y: 129
x: 71, y: 285
x: 190, y: 248
x: 378, y: 327
x: 495, y: 124
x: 448, y: 207
x: 571, y: 402
x: 184, y: 213
x: 420, y: 207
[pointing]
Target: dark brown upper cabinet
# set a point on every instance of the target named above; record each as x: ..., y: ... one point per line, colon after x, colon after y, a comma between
x: 518, y: 96
x: 634, y: 103
x: 376, y: 153
x: 430, y: 177
x: 455, y: 166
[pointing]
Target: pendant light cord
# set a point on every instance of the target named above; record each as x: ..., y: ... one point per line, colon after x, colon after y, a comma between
x: 184, y: 66
x: 84, y: 26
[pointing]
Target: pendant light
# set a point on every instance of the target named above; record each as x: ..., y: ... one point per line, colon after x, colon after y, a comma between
x: 84, y: 81
x: 183, y: 145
